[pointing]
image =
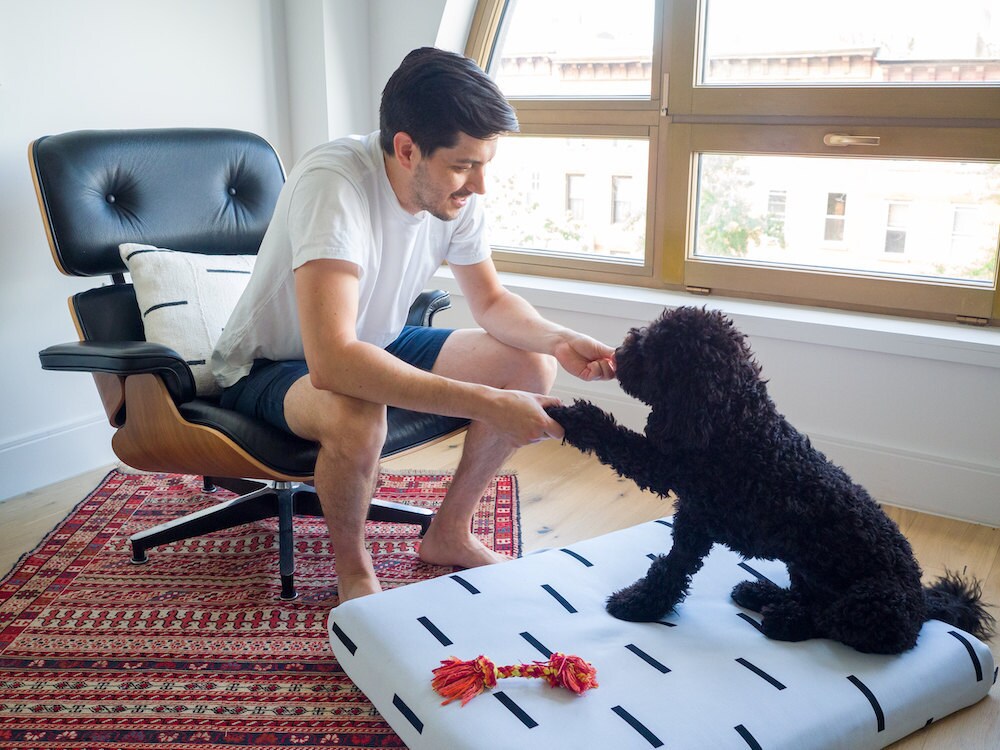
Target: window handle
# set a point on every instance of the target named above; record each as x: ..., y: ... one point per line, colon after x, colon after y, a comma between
x: 840, y: 139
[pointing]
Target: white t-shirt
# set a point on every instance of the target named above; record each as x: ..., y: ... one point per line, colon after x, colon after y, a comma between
x: 338, y: 203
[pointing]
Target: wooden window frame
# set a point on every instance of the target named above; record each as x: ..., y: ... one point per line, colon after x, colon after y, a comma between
x: 682, y: 119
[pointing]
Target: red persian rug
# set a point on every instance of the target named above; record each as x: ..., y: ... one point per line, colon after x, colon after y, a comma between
x: 194, y: 649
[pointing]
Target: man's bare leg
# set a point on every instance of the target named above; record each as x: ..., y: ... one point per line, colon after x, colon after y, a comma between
x: 351, y: 434
x: 449, y: 540
x: 474, y: 356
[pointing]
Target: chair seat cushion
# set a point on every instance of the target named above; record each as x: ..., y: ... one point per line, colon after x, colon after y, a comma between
x: 704, y: 677
x: 277, y: 449
x: 410, y: 428
x: 294, y: 456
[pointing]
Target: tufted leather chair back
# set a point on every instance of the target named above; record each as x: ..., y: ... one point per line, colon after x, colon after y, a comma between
x: 195, y: 190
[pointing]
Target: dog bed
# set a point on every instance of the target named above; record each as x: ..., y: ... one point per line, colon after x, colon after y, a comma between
x: 703, y: 677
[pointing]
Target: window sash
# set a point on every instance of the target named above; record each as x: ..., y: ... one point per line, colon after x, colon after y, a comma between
x: 682, y: 119
x: 937, y: 298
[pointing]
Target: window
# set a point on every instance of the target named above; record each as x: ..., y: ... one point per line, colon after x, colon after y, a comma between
x: 964, y: 229
x: 777, y: 204
x: 574, y: 195
x: 575, y: 48
x: 836, y: 210
x: 851, y: 163
x: 558, y: 212
x: 534, y: 185
x: 621, y: 198
x: 895, y: 230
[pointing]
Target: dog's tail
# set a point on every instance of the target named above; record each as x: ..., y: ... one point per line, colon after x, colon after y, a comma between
x: 959, y: 602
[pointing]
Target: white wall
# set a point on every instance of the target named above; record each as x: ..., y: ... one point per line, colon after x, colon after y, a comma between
x: 329, y: 80
x: 71, y: 64
x: 295, y: 71
x: 909, y: 408
x: 342, y: 52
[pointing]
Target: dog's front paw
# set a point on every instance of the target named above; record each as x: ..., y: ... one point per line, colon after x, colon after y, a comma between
x: 583, y: 423
x: 634, y: 604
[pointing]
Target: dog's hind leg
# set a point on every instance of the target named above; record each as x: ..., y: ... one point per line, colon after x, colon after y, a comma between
x: 875, y: 617
x: 788, y: 614
x: 755, y: 595
x: 788, y: 620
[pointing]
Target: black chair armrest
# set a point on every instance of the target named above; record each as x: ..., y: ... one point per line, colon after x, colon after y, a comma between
x: 427, y: 304
x: 123, y: 358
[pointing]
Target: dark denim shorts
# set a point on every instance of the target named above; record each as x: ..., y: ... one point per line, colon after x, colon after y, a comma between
x: 261, y: 394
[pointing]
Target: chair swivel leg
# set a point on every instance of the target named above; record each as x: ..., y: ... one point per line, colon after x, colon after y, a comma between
x: 286, y: 539
x: 255, y: 506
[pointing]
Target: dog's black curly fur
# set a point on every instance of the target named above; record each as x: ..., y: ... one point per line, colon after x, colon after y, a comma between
x: 747, y: 479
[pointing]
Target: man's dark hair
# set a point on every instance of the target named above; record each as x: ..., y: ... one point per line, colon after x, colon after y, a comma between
x: 434, y: 95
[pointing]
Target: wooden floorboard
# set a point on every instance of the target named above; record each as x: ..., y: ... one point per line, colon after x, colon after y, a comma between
x: 567, y: 497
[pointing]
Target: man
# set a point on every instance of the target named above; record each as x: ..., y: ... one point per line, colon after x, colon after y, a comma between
x: 317, y: 344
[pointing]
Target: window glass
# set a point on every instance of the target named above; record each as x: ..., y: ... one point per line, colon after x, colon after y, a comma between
x: 568, y: 196
x: 895, y: 231
x: 886, y: 217
x: 850, y: 42
x: 575, y: 48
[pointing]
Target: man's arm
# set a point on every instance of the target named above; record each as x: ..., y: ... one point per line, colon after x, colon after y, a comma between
x: 327, y: 295
x: 510, y: 319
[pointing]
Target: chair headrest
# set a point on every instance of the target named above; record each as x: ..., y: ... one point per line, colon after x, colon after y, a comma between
x: 195, y: 190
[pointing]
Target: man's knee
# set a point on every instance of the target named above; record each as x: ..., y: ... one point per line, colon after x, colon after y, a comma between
x: 473, y: 355
x: 346, y: 427
x: 543, y: 368
x: 357, y: 428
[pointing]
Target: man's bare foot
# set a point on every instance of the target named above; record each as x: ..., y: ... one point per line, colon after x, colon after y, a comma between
x: 463, y: 551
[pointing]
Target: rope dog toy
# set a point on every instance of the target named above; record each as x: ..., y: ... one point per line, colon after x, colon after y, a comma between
x: 464, y: 680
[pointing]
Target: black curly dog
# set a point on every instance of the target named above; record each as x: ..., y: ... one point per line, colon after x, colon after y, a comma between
x: 747, y: 479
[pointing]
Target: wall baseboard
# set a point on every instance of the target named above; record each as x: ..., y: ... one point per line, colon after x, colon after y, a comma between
x: 45, y: 458
x: 930, y: 484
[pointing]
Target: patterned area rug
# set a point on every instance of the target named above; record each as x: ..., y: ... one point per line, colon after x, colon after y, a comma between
x: 194, y: 649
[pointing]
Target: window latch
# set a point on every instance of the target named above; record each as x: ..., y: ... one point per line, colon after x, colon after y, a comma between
x: 971, y: 320
x: 841, y: 139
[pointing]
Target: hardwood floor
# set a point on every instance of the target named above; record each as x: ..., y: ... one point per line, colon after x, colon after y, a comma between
x: 567, y: 497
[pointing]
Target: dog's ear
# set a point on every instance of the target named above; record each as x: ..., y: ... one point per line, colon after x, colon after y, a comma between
x: 689, y: 416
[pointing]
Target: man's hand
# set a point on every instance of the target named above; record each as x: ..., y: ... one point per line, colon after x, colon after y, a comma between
x: 510, y: 319
x: 584, y: 357
x: 520, y: 417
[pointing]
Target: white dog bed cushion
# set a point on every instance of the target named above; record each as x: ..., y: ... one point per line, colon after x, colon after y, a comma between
x: 704, y: 677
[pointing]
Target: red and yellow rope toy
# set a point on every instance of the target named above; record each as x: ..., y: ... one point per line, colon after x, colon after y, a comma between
x: 456, y: 679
